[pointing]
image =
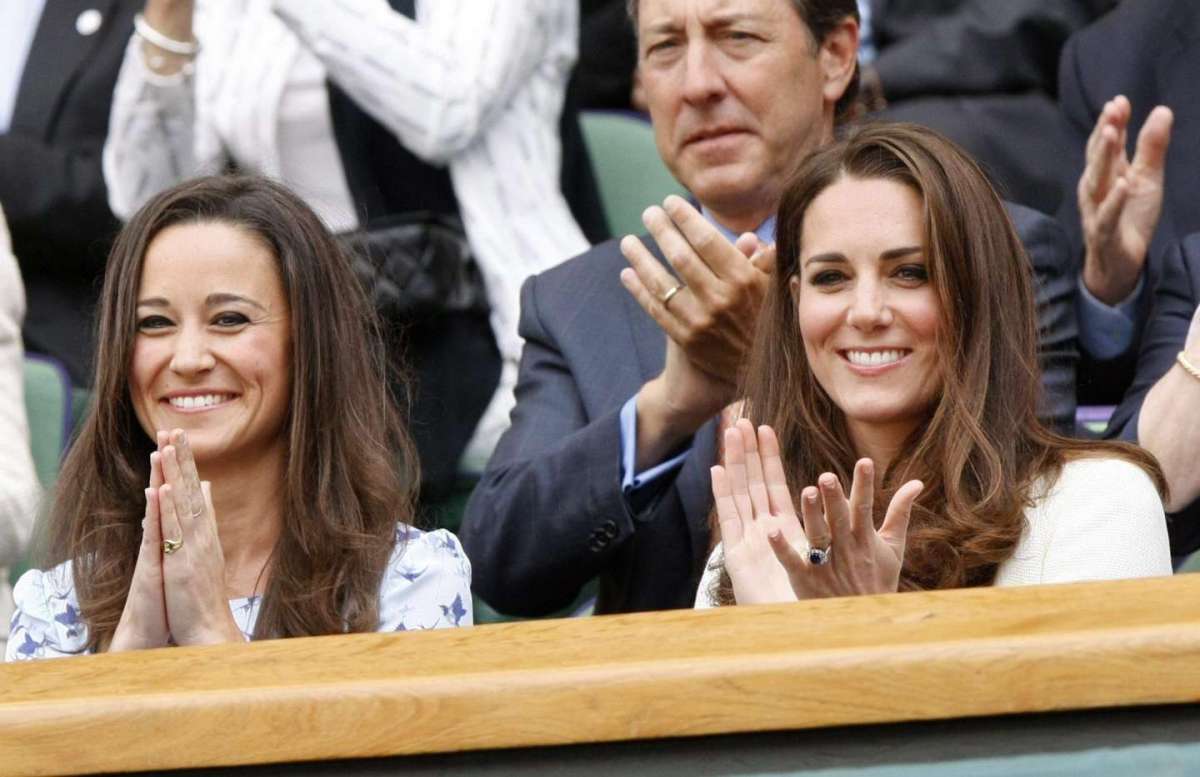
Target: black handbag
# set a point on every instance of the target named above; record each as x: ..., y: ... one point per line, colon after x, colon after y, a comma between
x: 417, y: 266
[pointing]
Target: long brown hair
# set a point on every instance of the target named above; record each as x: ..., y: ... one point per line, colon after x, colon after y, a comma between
x: 350, y: 466
x: 982, y: 452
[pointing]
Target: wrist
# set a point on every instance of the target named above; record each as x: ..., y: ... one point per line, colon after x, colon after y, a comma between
x: 662, y: 425
x: 1108, y: 284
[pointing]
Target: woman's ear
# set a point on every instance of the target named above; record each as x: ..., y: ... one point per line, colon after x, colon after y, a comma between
x: 838, y: 57
x: 794, y: 289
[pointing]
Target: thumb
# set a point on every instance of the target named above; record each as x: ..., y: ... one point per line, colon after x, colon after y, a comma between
x: 1150, y: 156
x: 764, y: 258
x: 748, y: 243
x: 894, y: 530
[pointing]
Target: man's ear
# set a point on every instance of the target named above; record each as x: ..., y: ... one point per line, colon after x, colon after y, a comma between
x: 837, y: 58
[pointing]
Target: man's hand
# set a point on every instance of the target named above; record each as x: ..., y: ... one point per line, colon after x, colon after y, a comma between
x: 1120, y: 200
x: 708, y: 314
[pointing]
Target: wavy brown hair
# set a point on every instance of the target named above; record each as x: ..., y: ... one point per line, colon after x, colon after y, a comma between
x: 982, y: 453
x: 350, y: 466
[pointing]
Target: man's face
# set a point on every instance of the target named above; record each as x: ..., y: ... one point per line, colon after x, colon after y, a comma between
x: 739, y: 93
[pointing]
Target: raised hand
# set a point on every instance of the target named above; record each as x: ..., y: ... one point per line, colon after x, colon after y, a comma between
x: 708, y: 314
x: 755, y: 510
x: 1120, y: 200
x: 194, y: 573
x: 143, y: 622
x: 859, y: 558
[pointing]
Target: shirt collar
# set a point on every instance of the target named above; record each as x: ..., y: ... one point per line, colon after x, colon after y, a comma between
x: 765, y: 231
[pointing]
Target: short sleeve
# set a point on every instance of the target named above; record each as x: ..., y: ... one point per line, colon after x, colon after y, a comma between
x: 46, y: 622
x: 427, y: 584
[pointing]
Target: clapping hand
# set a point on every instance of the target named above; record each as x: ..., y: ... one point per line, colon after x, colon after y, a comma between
x: 838, y: 552
x: 1120, y: 199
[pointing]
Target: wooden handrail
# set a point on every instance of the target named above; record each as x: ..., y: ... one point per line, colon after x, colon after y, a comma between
x: 902, y: 657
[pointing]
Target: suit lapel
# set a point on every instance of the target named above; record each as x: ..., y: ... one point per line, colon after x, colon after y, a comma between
x: 1178, y: 89
x: 57, y: 53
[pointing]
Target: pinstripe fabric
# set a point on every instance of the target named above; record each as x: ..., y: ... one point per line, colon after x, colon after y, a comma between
x: 477, y: 85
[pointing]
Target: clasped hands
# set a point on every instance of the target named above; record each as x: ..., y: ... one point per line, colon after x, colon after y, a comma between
x: 765, y: 545
x: 177, y: 596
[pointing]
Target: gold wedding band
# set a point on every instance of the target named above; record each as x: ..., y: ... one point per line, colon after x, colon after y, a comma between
x: 170, y: 546
x: 671, y: 292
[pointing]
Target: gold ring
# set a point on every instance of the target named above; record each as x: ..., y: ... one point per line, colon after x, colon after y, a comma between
x: 170, y: 546
x: 671, y: 292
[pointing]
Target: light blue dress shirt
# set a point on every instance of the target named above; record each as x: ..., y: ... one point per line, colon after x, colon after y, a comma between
x: 1106, y: 331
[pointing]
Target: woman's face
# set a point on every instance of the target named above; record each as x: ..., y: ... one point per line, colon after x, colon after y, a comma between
x: 212, y: 351
x: 867, y: 312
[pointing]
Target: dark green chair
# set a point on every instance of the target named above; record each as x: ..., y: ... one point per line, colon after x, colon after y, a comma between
x: 629, y: 172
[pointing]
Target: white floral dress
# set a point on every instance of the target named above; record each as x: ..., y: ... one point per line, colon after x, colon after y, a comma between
x: 427, y: 585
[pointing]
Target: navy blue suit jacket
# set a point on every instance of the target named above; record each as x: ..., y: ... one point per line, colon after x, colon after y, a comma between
x: 549, y: 516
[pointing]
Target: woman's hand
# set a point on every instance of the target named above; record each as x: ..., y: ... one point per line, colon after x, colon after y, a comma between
x: 197, y: 606
x: 860, y: 559
x: 143, y: 622
x: 754, y: 504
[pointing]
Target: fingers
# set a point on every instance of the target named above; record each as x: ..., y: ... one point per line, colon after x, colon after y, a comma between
x: 764, y: 259
x: 894, y: 530
x: 1108, y: 215
x: 755, y: 481
x: 1101, y: 162
x: 717, y: 257
x: 647, y: 282
x: 787, y: 555
x: 735, y: 468
x: 862, y: 499
x: 1150, y: 156
x: 816, y: 528
x: 187, y: 469
x: 727, y: 512
x: 778, y: 493
x: 748, y: 244
x: 168, y: 515
x: 151, y: 548
x: 836, y: 509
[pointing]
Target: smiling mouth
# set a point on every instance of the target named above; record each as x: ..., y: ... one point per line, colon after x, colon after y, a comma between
x: 880, y: 358
x: 199, y: 401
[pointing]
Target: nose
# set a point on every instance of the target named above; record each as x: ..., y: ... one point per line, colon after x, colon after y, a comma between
x: 703, y: 81
x: 193, y: 353
x: 869, y: 308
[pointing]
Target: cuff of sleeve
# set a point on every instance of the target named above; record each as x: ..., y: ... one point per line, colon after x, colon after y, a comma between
x: 1106, y: 331
x: 631, y: 481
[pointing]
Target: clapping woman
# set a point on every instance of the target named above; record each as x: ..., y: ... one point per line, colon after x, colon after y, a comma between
x: 244, y: 473
x: 890, y: 438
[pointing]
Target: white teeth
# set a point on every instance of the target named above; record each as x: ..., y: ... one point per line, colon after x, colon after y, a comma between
x: 873, y: 358
x: 206, y: 400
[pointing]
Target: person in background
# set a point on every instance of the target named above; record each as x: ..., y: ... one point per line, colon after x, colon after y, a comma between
x: 896, y: 361
x: 244, y: 473
x: 1132, y: 115
x: 58, y: 64
x: 371, y: 111
x: 18, y: 483
x: 632, y: 352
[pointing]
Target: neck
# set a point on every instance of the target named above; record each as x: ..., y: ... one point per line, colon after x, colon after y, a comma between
x: 740, y: 222
x: 881, y: 443
x: 248, y: 500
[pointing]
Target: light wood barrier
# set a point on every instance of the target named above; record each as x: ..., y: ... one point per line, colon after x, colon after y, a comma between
x: 861, y: 660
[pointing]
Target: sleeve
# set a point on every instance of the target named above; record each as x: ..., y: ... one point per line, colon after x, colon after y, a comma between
x: 709, y: 581
x: 1108, y: 524
x: 153, y: 141
x: 437, y: 82
x: 981, y: 47
x: 18, y: 481
x: 427, y: 584
x: 1058, y: 329
x: 549, y: 514
x: 46, y: 622
x: 1106, y: 331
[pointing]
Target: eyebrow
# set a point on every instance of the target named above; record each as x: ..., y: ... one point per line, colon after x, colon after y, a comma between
x: 719, y: 20
x: 212, y: 300
x: 889, y: 255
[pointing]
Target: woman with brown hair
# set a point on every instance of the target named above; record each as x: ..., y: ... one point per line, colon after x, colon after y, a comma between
x: 244, y: 473
x: 899, y: 339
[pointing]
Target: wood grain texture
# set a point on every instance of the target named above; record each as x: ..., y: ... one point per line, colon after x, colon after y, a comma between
x: 823, y: 663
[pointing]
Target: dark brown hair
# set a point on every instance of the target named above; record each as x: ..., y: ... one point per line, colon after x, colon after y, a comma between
x: 350, y: 467
x: 820, y: 17
x: 982, y: 452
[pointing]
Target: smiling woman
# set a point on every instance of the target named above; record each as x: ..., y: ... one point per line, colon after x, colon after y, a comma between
x: 899, y: 338
x: 244, y: 473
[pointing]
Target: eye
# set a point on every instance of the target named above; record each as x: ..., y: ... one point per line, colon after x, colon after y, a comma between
x: 914, y: 273
x: 151, y: 323
x: 659, y: 48
x: 230, y: 320
x: 828, y: 278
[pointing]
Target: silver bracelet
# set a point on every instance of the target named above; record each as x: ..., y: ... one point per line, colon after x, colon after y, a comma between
x: 156, y: 38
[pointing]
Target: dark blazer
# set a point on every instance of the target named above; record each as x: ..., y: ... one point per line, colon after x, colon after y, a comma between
x: 51, y: 186
x: 549, y: 515
x: 1149, y: 51
x: 1175, y: 300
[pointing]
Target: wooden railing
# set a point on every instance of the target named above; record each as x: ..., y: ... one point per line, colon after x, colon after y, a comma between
x: 873, y: 659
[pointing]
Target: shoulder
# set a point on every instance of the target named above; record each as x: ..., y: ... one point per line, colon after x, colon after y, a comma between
x: 1044, y: 238
x: 598, y: 266
x: 1094, y: 486
x: 427, y: 583
x: 46, y: 621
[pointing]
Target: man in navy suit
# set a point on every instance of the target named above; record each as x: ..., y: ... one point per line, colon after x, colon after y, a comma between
x: 604, y: 471
x: 1127, y: 87
x: 56, y: 100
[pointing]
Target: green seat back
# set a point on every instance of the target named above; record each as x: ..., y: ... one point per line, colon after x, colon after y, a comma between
x: 629, y: 171
x: 49, y: 407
